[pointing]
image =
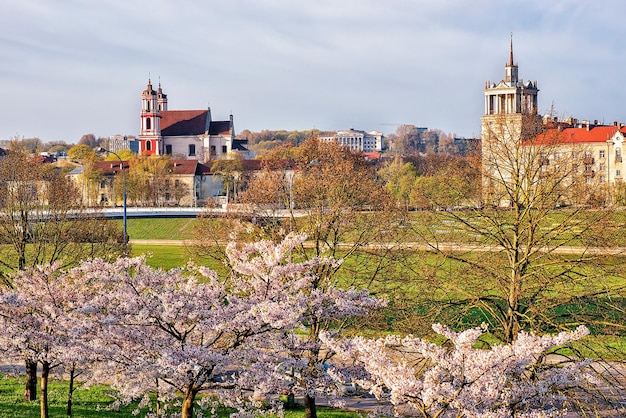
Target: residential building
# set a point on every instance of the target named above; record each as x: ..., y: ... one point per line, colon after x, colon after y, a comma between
x: 190, y: 134
x: 594, y: 148
x: 357, y: 140
x: 186, y: 183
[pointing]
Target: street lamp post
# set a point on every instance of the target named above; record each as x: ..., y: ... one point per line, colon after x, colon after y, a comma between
x: 124, y: 196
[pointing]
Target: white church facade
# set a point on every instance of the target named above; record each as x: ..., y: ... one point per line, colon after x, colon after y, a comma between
x: 189, y: 134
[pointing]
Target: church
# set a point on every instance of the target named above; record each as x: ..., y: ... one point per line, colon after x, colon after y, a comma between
x: 183, y: 134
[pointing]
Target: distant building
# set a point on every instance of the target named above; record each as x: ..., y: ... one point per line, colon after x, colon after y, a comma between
x: 191, y: 134
x: 357, y: 140
x: 117, y: 143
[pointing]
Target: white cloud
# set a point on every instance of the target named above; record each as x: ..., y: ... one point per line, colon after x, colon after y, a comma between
x: 75, y: 66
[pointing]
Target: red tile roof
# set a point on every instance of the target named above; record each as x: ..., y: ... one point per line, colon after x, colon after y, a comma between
x: 184, y: 167
x: 183, y: 122
x: 110, y: 167
x: 577, y: 135
x: 191, y: 122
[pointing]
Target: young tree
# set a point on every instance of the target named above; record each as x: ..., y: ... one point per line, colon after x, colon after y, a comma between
x: 81, y: 153
x: 399, y: 178
x: 319, y: 305
x: 523, y: 250
x: 230, y: 168
x: 423, y: 379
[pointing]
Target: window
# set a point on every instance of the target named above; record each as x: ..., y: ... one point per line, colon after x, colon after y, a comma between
x: 148, y: 123
x: 618, y: 155
x: 224, y: 149
x: 601, y: 179
x: 192, y: 149
x: 168, y: 149
x: 602, y: 167
x: 601, y: 154
x: 618, y: 173
x: 148, y: 145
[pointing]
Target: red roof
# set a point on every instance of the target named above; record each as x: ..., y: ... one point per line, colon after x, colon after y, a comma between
x: 372, y: 155
x: 577, y: 135
x: 110, y: 167
x: 183, y: 122
x: 191, y: 122
x: 183, y: 167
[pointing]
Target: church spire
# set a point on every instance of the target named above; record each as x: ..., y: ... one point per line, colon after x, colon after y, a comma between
x: 510, y: 69
x: 511, y: 53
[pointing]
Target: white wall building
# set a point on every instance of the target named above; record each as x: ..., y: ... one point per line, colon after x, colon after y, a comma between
x: 357, y: 140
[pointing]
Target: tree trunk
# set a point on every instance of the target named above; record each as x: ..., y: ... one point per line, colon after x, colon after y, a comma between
x: 30, y: 391
x: 43, y: 399
x: 188, y: 400
x: 70, y: 395
x: 310, y: 410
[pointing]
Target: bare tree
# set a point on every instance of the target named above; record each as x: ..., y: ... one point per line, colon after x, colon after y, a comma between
x: 528, y: 254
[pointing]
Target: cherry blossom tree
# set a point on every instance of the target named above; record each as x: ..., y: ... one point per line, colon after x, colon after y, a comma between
x: 319, y: 305
x: 181, y: 331
x: 428, y: 380
x: 40, y: 319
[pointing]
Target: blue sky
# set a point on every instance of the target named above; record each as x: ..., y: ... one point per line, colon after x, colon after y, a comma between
x: 70, y: 67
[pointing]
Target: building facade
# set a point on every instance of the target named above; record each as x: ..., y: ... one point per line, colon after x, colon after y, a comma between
x: 518, y: 145
x: 184, y: 183
x: 191, y: 134
x: 357, y: 140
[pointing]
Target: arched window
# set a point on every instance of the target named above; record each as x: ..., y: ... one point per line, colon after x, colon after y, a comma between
x: 148, y: 145
x: 148, y: 123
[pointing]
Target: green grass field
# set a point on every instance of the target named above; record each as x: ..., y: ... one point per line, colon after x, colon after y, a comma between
x: 160, y: 228
x: 97, y: 402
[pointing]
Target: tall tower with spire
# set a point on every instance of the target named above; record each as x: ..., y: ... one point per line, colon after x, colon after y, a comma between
x: 510, y: 117
x: 152, y: 102
x: 511, y: 96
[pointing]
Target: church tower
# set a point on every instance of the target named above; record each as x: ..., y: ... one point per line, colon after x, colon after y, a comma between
x: 150, y: 132
x: 161, y: 99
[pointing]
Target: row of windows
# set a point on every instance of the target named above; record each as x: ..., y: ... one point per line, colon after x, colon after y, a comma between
x: 191, y: 149
x: 602, y: 154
